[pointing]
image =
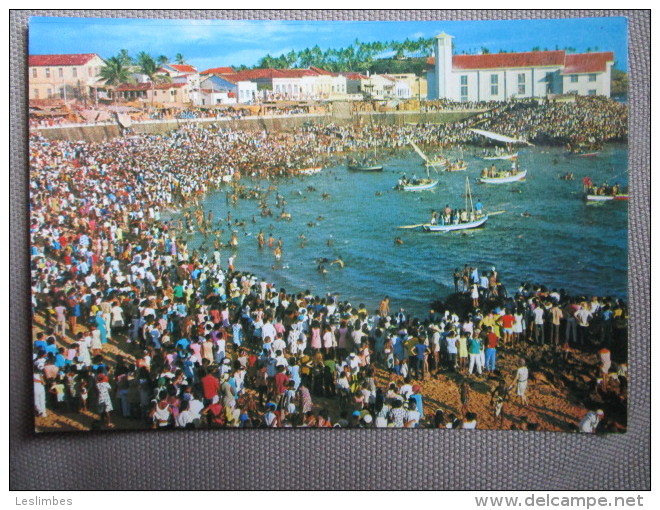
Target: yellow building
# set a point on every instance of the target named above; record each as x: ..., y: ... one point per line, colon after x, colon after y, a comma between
x: 68, y: 77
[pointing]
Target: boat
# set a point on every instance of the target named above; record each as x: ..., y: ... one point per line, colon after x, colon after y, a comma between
x: 366, y: 165
x: 584, y: 150
x: 500, y: 138
x: 476, y: 219
x: 511, y: 155
x: 456, y: 167
x: 606, y: 198
x: 356, y: 167
x: 427, y: 162
x: 421, y: 185
x: 504, y: 178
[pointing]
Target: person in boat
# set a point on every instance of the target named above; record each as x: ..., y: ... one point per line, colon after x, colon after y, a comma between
x: 587, y: 184
x: 403, y: 181
x: 615, y: 190
x: 434, y: 218
x: 478, y: 208
x: 484, y: 173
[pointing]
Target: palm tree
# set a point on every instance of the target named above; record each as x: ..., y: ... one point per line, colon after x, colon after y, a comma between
x: 162, y: 60
x: 149, y: 68
x: 179, y: 59
x: 114, y: 73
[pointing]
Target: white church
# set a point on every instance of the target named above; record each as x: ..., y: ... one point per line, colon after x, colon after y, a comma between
x: 501, y: 76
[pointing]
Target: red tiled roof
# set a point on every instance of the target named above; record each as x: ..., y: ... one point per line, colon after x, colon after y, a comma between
x: 183, y: 68
x: 587, y: 62
x: 356, y: 76
x: 219, y: 70
x: 256, y: 74
x: 572, y: 63
x: 73, y: 59
x: 500, y: 60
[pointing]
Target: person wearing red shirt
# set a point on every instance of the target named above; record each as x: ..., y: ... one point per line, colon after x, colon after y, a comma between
x: 281, y: 381
x: 507, y: 321
x: 491, y: 349
x: 210, y: 387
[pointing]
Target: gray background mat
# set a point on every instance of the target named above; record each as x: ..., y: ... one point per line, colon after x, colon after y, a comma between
x: 332, y: 459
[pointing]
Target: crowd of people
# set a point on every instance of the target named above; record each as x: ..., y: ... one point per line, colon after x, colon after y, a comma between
x: 133, y: 324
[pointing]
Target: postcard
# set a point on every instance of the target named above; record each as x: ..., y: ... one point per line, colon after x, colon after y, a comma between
x: 329, y: 224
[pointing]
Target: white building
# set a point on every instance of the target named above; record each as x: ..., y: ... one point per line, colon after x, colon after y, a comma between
x: 501, y: 76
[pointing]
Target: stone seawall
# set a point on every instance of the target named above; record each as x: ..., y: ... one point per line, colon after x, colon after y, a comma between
x: 99, y: 133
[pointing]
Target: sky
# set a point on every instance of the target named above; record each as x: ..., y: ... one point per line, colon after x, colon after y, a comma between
x: 215, y: 43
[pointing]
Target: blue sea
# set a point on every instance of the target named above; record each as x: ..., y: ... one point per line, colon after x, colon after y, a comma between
x: 547, y: 233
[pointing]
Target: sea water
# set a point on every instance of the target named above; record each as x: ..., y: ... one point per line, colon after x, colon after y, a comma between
x: 547, y: 233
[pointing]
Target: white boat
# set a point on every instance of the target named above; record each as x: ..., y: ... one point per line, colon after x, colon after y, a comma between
x: 605, y: 198
x: 476, y: 219
x: 422, y: 184
x: 501, y: 156
x: 504, y: 179
x: 458, y: 226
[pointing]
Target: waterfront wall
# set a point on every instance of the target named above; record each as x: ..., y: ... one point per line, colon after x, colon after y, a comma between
x: 106, y: 131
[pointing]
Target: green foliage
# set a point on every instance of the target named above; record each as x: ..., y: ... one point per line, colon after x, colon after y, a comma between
x: 619, y: 84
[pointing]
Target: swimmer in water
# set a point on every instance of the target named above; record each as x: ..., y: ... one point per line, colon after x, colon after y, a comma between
x: 321, y: 269
x: 398, y: 241
x: 339, y: 262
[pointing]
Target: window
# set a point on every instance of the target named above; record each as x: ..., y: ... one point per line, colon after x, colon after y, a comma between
x: 48, y: 72
x: 521, y: 84
x: 50, y: 93
x: 89, y: 72
x: 60, y: 72
x: 34, y: 72
x: 36, y: 93
x: 74, y: 72
x: 592, y: 77
x: 464, y: 88
x: 574, y: 92
x: 592, y: 92
x: 494, y: 82
x: 574, y: 78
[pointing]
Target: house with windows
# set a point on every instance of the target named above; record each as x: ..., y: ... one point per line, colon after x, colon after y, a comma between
x: 502, y: 76
x: 68, y: 77
x: 184, y: 74
x: 163, y: 94
x: 226, y: 89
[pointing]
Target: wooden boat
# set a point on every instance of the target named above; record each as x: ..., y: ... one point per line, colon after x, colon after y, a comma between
x: 417, y: 184
x: 606, y: 198
x: 365, y: 168
x: 501, y: 156
x: 504, y: 179
x: 427, y: 162
x: 456, y: 168
x: 420, y: 185
x: 458, y: 226
x: 366, y: 165
x: 475, y: 221
x: 509, y: 141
